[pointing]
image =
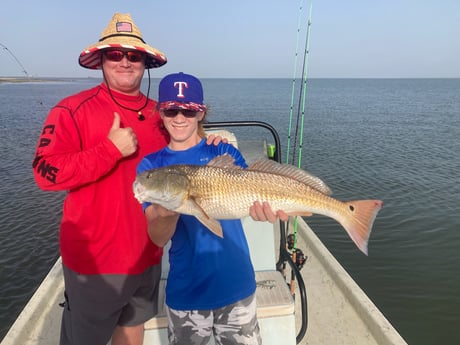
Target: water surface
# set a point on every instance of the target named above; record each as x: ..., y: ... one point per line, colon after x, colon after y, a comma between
x: 391, y: 139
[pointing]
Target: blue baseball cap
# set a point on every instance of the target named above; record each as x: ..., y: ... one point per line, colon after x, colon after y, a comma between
x: 180, y: 91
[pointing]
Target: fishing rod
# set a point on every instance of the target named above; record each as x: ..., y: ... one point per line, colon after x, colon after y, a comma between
x: 303, y: 94
x: 291, y: 110
x: 282, y: 264
x: 289, y: 243
x: 292, y: 243
x: 16, y: 59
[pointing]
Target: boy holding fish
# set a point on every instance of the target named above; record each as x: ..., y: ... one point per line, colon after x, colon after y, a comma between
x: 211, y: 283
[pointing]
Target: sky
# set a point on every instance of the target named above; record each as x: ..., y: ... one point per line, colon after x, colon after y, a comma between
x: 243, y: 38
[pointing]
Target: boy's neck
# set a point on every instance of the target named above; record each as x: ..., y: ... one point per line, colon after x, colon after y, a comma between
x: 177, y: 145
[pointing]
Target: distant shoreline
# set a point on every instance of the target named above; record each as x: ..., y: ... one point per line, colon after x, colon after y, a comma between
x: 28, y: 80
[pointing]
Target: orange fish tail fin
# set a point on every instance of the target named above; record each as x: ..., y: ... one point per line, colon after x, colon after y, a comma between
x: 359, y: 220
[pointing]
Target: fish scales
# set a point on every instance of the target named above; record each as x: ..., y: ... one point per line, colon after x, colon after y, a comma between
x: 228, y: 193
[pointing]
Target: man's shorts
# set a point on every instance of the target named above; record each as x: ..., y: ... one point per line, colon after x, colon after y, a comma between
x: 233, y: 324
x: 96, y: 303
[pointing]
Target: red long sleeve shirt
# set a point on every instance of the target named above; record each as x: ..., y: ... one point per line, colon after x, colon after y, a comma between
x: 103, y: 228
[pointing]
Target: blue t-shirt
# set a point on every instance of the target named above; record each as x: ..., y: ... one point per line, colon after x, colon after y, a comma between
x: 206, y: 271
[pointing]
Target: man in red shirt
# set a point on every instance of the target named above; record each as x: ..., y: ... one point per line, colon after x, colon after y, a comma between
x: 90, y: 146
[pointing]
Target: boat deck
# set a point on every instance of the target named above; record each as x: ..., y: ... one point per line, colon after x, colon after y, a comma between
x: 338, y: 310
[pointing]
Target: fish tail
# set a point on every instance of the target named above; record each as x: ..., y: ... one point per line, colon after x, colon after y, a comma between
x: 359, y: 220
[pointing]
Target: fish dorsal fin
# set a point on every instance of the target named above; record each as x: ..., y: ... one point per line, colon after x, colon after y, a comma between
x: 224, y: 161
x: 288, y: 170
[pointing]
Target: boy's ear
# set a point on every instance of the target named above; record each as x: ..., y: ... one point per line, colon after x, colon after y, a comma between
x: 200, y: 115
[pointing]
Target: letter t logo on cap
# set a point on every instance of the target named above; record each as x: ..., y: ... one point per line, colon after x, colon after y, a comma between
x: 180, y: 85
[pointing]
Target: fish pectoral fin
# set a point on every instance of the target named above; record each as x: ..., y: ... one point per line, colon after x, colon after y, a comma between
x: 203, y: 217
x: 194, y: 204
x: 193, y: 208
x: 212, y: 225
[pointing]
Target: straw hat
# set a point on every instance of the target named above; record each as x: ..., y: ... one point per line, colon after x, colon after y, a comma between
x: 120, y: 33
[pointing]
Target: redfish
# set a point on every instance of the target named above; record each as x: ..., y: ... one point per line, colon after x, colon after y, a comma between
x: 222, y: 190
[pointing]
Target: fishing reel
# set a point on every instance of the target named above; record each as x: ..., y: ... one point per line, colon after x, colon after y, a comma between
x: 300, y: 257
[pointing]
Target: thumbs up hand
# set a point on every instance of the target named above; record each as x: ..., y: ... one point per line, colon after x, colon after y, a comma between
x: 123, y: 138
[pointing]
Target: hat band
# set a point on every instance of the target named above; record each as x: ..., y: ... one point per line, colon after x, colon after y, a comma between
x: 124, y: 35
x: 180, y: 105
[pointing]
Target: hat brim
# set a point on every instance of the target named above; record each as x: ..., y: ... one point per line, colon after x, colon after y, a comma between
x: 91, y: 56
x: 178, y: 105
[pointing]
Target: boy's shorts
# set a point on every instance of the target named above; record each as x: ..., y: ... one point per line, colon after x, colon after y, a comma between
x: 233, y: 324
x: 96, y: 303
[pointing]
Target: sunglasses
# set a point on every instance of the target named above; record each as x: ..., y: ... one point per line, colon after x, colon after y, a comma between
x: 117, y: 55
x: 173, y: 112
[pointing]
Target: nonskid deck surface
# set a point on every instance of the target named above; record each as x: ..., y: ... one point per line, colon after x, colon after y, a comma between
x: 339, y: 312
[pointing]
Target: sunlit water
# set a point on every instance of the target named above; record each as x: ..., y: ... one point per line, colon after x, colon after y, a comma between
x: 391, y: 139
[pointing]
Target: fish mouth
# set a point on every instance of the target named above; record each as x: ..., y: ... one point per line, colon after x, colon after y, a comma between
x: 138, y: 190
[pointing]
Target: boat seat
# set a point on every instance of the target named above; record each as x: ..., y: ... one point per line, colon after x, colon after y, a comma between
x: 224, y: 134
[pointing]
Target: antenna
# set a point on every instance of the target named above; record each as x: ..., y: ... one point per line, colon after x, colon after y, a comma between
x: 16, y: 59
